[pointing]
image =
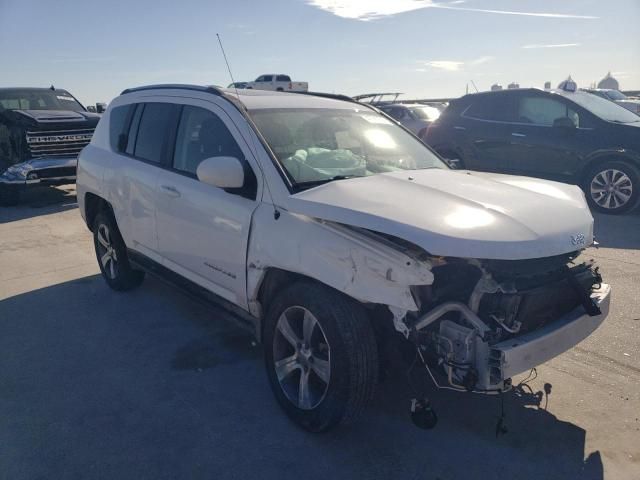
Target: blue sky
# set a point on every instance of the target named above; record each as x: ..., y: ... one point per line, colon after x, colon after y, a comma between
x: 425, y: 48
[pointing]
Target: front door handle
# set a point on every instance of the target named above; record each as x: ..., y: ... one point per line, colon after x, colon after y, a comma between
x: 170, y: 190
x: 515, y: 134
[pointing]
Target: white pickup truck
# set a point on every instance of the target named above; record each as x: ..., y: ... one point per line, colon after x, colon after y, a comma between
x: 278, y: 82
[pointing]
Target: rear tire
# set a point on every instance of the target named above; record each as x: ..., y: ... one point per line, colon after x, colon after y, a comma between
x: 612, y: 187
x: 111, y: 254
x: 320, y: 354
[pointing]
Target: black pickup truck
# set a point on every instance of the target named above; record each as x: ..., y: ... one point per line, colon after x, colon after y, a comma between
x: 42, y: 130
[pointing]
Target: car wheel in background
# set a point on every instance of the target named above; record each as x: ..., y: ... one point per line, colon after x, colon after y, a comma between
x: 321, y: 355
x: 612, y: 187
x: 112, y: 255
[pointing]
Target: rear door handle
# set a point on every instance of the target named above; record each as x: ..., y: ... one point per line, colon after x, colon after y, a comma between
x: 515, y: 134
x: 170, y: 190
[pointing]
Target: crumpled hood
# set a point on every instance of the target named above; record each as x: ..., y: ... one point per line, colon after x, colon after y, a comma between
x: 57, y: 115
x: 458, y: 213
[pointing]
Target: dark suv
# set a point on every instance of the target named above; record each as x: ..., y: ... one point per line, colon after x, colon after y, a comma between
x: 42, y: 130
x: 573, y: 137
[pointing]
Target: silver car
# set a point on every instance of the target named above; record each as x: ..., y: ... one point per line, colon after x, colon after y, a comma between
x: 631, y: 104
x: 414, y: 116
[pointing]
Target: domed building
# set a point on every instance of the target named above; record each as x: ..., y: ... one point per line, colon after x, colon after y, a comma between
x: 609, y: 83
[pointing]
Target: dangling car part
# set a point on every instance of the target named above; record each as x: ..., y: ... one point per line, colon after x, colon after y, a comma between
x: 517, y: 315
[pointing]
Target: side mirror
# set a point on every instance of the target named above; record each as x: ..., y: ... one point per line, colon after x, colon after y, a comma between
x: 564, y: 123
x: 221, y: 172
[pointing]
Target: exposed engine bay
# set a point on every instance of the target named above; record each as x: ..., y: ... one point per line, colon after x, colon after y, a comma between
x: 475, y: 307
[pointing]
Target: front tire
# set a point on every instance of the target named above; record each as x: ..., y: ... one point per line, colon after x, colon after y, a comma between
x: 320, y: 354
x: 111, y: 253
x: 612, y: 187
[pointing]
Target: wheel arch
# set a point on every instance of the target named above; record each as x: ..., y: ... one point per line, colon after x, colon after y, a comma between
x: 275, y: 280
x: 607, y: 156
x: 94, y: 204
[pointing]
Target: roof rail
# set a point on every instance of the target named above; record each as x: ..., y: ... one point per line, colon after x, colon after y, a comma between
x: 374, y: 98
x: 335, y: 96
x: 175, y: 86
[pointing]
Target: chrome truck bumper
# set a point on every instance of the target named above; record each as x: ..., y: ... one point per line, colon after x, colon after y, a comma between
x: 45, y: 170
x: 519, y: 354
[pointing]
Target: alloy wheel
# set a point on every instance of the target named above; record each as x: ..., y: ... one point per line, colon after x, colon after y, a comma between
x: 106, y: 252
x: 611, y: 188
x: 302, y: 358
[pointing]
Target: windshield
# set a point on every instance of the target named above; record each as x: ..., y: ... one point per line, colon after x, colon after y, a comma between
x: 38, y: 100
x: 319, y: 145
x: 603, y: 108
x: 616, y: 95
x: 426, y: 113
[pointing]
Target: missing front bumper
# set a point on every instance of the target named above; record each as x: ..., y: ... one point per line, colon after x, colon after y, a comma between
x: 519, y: 354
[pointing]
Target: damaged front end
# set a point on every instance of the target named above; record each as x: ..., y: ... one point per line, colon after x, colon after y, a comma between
x: 483, y: 321
x: 475, y: 323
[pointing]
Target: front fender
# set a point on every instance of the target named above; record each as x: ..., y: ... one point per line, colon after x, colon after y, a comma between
x: 369, y: 271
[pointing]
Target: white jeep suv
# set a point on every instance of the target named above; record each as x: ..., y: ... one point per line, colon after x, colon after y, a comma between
x: 336, y: 234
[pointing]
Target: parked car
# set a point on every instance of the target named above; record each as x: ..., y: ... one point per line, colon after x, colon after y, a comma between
x: 238, y: 85
x: 263, y: 201
x: 631, y: 104
x: 573, y: 137
x: 414, y: 116
x: 277, y: 82
x: 42, y: 130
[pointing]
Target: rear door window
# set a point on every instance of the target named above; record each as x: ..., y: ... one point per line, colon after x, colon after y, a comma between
x: 267, y: 78
x: 283, y: 78
x: 498, y: 108
x: 544, y: 111
x: 155, y: 124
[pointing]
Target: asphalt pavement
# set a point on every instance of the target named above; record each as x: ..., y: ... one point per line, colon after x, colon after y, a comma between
x: 151, y: 384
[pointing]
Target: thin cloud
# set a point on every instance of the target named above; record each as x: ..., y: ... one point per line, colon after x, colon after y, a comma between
x: 481, y: 60
x: 448, y: 65
x: 552, y: 45
x: 452, y: 65
x: 510, y: 12
x: 366, y: 10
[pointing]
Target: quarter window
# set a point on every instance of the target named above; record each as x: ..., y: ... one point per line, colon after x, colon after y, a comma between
x: 117, y: 125
x: 201, y: 135
x: 544, y: 111
x: 153, y: 130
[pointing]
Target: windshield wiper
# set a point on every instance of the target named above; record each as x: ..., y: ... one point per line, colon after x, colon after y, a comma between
x: 314, y: 183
